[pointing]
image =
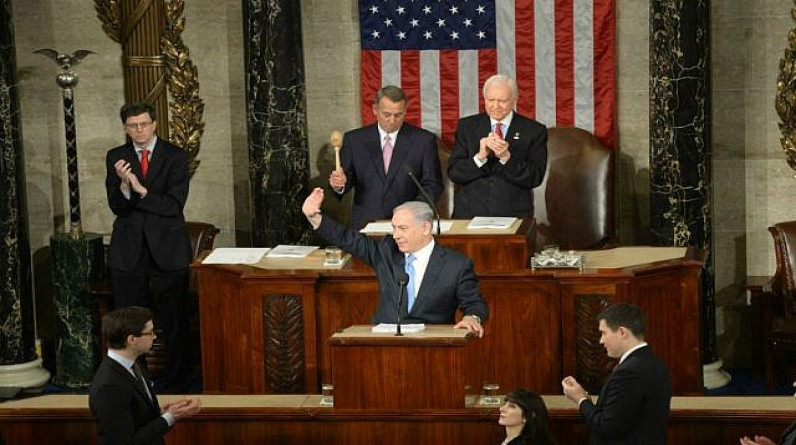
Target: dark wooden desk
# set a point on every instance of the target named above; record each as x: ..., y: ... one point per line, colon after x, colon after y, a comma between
x: 431, y: 369
x: 297, y: 419
x: 265, y: 331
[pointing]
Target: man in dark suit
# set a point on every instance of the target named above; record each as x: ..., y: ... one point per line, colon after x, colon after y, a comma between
x: 498, y: 156
x: 121, y: 399
x: 439, y: 280
x: 634, y: 402
x: 149, y: 253
x: 373, y: 160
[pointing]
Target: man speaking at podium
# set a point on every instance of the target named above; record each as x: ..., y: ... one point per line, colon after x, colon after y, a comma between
x: 438, y: 280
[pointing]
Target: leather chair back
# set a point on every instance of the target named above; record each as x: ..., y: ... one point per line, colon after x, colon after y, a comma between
x: 784, y: 282
x: 574, y: 205
x: 202, y: 236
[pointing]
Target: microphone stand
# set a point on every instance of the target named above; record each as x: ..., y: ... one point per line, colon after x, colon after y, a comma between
x: 401, y: 286
x: 426, y: 196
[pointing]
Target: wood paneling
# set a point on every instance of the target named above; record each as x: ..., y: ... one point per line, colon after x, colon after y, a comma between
x: 541, y: 327
x: 224, y: 423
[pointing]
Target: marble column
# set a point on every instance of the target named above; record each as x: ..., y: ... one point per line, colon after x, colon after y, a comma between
x: 277, y: 121
x: 681, y: 182
x: 76, y: 262
x: 20, y: 368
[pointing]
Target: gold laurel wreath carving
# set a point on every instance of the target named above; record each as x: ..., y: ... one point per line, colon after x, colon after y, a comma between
x: 785, y: 102
x: 186, y: 108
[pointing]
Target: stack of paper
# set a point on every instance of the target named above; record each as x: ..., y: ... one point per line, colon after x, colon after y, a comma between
x: 386, y: 227
x: 491, y: 222
x: 236, y: 255
x: 287, y: 251
x: 391, y: 328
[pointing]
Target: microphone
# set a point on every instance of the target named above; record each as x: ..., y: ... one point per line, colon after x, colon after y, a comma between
x: 402, y: 278
x: 426, y: 196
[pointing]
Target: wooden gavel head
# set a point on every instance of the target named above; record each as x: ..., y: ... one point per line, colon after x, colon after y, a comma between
x: 336, y: 139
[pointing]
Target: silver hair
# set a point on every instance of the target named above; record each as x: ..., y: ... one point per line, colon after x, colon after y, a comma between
x: 421, y: 211
x: 498, y: 78
x: 391, y: 92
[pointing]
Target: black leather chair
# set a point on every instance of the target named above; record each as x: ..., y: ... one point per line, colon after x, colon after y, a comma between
x: 779, y: 307
x: 574, y: 205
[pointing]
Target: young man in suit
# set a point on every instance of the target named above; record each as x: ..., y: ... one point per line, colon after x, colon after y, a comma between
x: 439, y: 280
x: 498, y: 156
x: 373, y: 160
x: 634, y: 402
x: 125, y: 407
x: 149, y: 252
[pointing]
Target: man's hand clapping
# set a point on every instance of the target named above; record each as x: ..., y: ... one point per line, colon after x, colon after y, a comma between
x: 494, y: 144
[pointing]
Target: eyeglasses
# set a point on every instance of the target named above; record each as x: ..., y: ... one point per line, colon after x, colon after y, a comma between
x: 139, y: 126
x: 150, y: 334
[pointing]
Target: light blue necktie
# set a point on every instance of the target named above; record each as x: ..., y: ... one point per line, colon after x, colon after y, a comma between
x: 409, y: 268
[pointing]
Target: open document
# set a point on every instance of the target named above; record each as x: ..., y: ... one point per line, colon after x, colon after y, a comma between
x: 386, y: 227
x: 491, y: 222
x: 392, y: 328
x: 288, y: 251
x: 236, y: 255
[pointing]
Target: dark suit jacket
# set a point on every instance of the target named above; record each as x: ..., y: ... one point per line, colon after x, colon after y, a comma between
x: 634, y: 403
x: 123, y: 412
x: 496, y: 189
x: 449, y: 281
x: 789, y: 435
x: 377, y: 193
x: 157, y: 219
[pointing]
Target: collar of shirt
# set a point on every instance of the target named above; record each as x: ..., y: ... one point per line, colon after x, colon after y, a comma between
x: 382, y: 134
x: 505, y: 121
x: 150, y: 147
x: 422, y: 258
x: 631, y: 350
x: 124, y: 361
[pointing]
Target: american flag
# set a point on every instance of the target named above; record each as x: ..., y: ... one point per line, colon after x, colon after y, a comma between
x: 561, y: 53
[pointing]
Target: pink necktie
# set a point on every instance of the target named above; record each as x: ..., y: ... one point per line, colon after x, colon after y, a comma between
x: 144, y: 162
x: 386, y: 153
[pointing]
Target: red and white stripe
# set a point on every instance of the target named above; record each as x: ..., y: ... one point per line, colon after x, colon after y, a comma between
x: 561, y: 53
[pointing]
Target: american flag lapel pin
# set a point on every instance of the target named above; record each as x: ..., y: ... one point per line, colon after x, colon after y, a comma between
x: 516, y: 136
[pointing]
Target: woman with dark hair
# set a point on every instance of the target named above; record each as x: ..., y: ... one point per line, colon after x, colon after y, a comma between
x: 524, y: 415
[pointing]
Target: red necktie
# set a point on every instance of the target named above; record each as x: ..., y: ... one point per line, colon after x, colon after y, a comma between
x: 144, y: 162
x: 498, y: 130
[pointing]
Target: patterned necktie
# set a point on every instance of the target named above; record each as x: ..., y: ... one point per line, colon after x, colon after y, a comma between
x: 409, y: 268
x: 499, y: 130
x: 140, y: 377
x: 386, y: 153
x: 144, y: 162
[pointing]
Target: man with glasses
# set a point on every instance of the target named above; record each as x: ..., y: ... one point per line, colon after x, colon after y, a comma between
x: 123, y: 403
x: 149, y: 252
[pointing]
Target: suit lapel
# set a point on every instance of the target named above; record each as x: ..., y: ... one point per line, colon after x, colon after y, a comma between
x: 373, y: 148
x: 155, y: 161
x: 433, y: 270
x: 119, y: 369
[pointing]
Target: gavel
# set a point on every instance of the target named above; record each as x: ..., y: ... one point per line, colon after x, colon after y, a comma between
x: 336, y: 140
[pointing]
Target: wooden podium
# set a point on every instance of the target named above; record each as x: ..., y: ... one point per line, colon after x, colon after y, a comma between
x: 430, y: 369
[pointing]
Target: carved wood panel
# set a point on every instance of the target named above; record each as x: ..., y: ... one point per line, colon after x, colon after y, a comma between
x: 591, y: 362
x: 283, y: 344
